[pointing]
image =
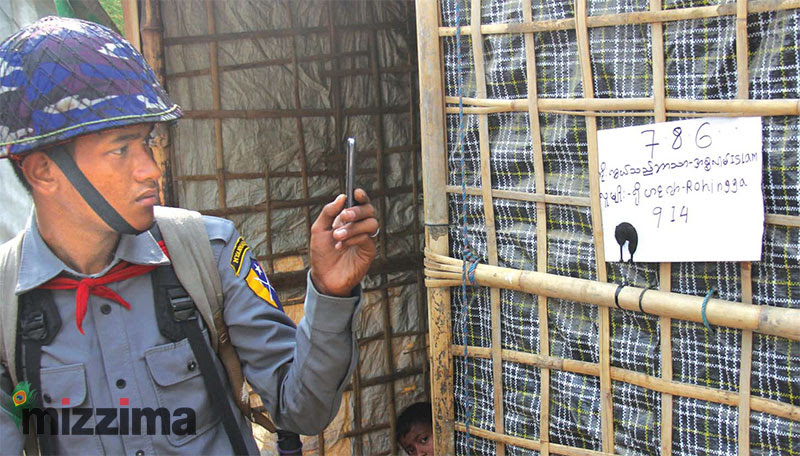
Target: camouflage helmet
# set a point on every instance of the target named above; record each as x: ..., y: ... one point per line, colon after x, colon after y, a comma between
x: 61, y: 78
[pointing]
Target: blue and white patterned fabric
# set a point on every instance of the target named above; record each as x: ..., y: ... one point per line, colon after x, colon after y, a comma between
x: 61, y: 78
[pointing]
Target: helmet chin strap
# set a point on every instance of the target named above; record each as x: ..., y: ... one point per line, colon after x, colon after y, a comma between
x: 93, y: 198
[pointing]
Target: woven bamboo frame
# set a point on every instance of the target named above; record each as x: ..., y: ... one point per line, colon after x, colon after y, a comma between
x: 443, y: 271
x: 154, y: 42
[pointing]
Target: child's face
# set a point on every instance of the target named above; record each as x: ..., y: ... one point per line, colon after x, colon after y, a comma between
x: 418, y: 440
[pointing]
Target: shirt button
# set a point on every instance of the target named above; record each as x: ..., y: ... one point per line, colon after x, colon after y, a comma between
x: 192, y: 365
x: 120, y: 383
x: 106, y: 309
x: 140, y: 453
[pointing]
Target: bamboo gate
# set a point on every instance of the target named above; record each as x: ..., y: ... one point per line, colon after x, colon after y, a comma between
x: 744, y: 405
x: 269, y: 91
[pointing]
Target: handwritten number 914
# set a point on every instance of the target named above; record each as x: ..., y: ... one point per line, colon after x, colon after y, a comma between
x: 658, y: 211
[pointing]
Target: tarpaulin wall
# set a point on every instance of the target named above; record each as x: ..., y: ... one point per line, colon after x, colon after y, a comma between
x: 270, y: 89
x: 537, y: 358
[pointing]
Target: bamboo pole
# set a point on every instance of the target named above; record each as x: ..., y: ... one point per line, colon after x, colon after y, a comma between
x: 336, y: 92
x: 281, y: 61
x: 783, y: 220
x: 771, y: 219
x: 541, y: 227
x: 422, y: 310
x: 278, y: 33
x: 287, y: 204
x: 365, y: 430
x: 531, y: 444
x: 491, y: 232
x: 222, y: 199
x: 664, y: 272
x: 287, y: 113
x: 604, y: 317
x: 658, y: 384
x: 358, y: 443
x: 524, y: 196
x: 443, y: 271
x: 153, y: 52
x: 366, y: 71
x: 642, y: 17
x: 434, y: 175
x: 745, y: 367
x: 301, y: 141
x: 380, y: 335
x: 399, y: 375
x: 268, y: 222
x: 783, y: 107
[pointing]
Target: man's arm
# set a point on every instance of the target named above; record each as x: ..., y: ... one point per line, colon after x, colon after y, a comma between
x: 300, y: 374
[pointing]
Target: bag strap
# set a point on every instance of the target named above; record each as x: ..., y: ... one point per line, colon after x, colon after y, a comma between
x: 193, y: 261
x: 185, y: 236
x: 39, y: 322
x: 184, y: 315
x: 9, y: 269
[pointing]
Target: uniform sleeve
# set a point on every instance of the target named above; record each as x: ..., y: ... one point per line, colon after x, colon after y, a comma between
x: 10, y: 435
x: 300, y: 373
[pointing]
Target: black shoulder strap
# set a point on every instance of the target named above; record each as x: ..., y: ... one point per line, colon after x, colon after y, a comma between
x: 184, y: 314
x: 38, y: 323
x: 177, y: 319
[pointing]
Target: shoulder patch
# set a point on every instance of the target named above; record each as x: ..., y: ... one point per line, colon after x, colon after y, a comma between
x: 257, y: 281
x: 237, y: 257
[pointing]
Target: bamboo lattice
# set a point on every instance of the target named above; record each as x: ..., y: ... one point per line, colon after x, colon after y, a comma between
x: 664, y: 309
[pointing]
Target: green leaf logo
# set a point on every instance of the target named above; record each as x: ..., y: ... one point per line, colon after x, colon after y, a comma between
x: 23, y: 398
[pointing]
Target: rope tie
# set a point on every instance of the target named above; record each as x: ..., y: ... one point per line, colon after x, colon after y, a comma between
x: 468, y: 272
x: 703, y: 309
x: 469, y: 257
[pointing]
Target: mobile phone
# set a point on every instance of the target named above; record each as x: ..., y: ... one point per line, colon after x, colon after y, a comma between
x: 350, y: 182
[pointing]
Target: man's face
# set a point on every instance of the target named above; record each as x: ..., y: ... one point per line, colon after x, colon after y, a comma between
x: 418, y: 440
x: 120, y: 165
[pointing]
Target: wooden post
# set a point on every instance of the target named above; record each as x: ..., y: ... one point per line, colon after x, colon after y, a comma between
x: 434, y: 176
x: 130, y: 19
x: 153, y: 52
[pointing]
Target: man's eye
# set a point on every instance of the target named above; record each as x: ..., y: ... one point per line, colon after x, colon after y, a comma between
x: 121, y: 151
x: 424, y: 439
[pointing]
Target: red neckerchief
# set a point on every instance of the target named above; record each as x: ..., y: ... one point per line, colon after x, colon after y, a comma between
x: 86, y: 286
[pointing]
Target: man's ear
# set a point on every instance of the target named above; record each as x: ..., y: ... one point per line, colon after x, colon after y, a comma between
x: 41, y: 172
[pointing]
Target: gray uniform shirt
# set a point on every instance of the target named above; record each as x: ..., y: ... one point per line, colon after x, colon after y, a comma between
x: 299, y: 372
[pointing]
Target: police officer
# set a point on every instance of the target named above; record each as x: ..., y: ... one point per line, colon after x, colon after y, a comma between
x: 77, y: 107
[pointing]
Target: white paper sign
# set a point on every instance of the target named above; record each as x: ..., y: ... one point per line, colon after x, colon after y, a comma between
x: 688, y: 190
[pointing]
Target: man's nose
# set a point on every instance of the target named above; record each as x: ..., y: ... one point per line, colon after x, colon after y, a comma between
x: 146, y: 166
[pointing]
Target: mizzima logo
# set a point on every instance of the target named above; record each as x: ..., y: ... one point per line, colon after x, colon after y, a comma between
x: 123, y: 420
